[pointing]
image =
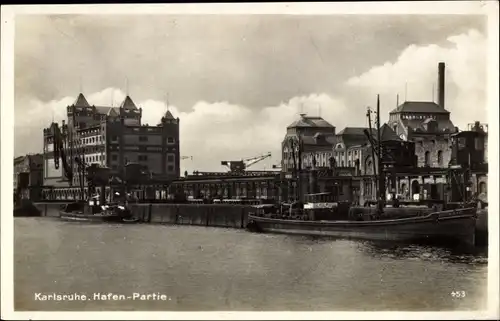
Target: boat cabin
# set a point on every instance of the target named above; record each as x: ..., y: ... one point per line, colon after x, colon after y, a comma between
x: 323, y: 206
x: 265, y: 210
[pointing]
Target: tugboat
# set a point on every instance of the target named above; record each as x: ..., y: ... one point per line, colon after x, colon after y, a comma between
x: 323, y: 215
x: 95, y: 210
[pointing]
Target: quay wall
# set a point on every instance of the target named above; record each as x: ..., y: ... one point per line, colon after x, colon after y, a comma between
x: 234, y: 216
x: 217, y: 215
x: 49, y: 209
x: 482, y: 227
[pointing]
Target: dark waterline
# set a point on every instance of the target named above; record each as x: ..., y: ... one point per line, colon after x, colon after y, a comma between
x: 202, y: 268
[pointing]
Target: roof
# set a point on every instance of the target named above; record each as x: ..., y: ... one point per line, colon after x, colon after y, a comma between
x: 168, y: 115
x: 128, y: 103
x: 419, y: 107
x: 352, y: 136
x: 107, y: 110
x: 310, y: 121
x: 355, y: 131
x: 355, y: 136
x: 387, y: 133
x: 18, y: 159
x: 81, y: 101
x: 329, y: 140
x: 442, y: 125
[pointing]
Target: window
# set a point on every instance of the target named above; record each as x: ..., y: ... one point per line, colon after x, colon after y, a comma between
x: 142, y: 157
x: 114, y: 138
x: 143, y: 138
x: 427, y: 160
x: 170, y: 158
x: 479, y: 143
x: 170, y: 168
x: 114, y: 157
x: 440, y: 158
x: 170, y: 140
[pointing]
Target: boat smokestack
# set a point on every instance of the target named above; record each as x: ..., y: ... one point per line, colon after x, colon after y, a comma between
x: 313, y: 181
x: 441, y: 81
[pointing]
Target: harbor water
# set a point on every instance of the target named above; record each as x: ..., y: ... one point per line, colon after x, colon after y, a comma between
x: 196, y: 268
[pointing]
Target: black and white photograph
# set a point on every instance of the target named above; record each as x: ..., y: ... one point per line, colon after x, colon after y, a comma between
x: 250, y: 160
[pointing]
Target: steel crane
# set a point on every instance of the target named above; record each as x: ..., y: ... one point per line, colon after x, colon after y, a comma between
x: 242, y: 165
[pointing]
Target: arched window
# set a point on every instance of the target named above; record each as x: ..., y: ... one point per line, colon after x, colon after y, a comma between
x: 369, y: 167
x: 427, y: 160
x: 482, y: 188
x: 440, y: 158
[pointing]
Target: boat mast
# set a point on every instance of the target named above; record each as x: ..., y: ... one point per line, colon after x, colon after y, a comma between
x: 381, y: 179
x: 368, y: 114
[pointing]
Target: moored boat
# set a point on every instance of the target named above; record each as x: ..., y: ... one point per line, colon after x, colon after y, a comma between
x: 456, y: 226
x: 92, y: 212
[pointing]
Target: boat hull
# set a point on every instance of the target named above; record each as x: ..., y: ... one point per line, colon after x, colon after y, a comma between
x: 97, y: 218
x: 441, y: 227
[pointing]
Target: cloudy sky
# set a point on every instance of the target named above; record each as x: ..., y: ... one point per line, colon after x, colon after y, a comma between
x: 237, y: 81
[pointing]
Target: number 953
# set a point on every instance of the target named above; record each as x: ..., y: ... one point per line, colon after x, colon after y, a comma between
x: 458, y: 294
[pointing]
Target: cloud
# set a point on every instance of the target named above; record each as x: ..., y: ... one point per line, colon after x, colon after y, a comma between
x: 416, y: 69
x: 212, y: 131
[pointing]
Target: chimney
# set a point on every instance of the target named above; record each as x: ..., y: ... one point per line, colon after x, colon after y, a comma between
x: 441, y: 81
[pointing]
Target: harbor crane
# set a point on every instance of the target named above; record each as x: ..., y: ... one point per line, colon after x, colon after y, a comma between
x: 242, y: 165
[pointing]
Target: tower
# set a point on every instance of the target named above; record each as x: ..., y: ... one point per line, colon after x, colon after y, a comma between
x: 170, y: 145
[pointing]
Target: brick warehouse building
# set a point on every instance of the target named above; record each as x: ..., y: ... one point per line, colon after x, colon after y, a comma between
x: 111, y: 136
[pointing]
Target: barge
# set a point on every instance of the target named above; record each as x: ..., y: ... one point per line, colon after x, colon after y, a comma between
x: 452, y: 226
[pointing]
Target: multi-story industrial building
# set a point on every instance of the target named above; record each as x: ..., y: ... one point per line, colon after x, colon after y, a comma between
x: 112, y: 137
x: 428, y: 124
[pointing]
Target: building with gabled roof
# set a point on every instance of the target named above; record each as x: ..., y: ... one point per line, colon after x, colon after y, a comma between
x: 316, y: 136
x: 428, y: 124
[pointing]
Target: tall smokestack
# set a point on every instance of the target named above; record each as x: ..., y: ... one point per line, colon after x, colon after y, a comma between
x: 441, y: 72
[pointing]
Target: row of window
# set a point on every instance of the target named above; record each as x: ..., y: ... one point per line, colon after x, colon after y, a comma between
x: 427, y: 158
x: 422, y: 117
x: 144, y: 158
x: 170, y: 168
x: 91, y: 140
x: 97, y: 158
x: 170, y: 140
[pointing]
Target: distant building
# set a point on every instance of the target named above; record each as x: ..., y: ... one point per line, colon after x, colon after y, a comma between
x: 28, y: 175
x: 113, y: 137
x: 353, y: 150
x: 428, y: 124
x: 316, y: 136
x: 480, y: 173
